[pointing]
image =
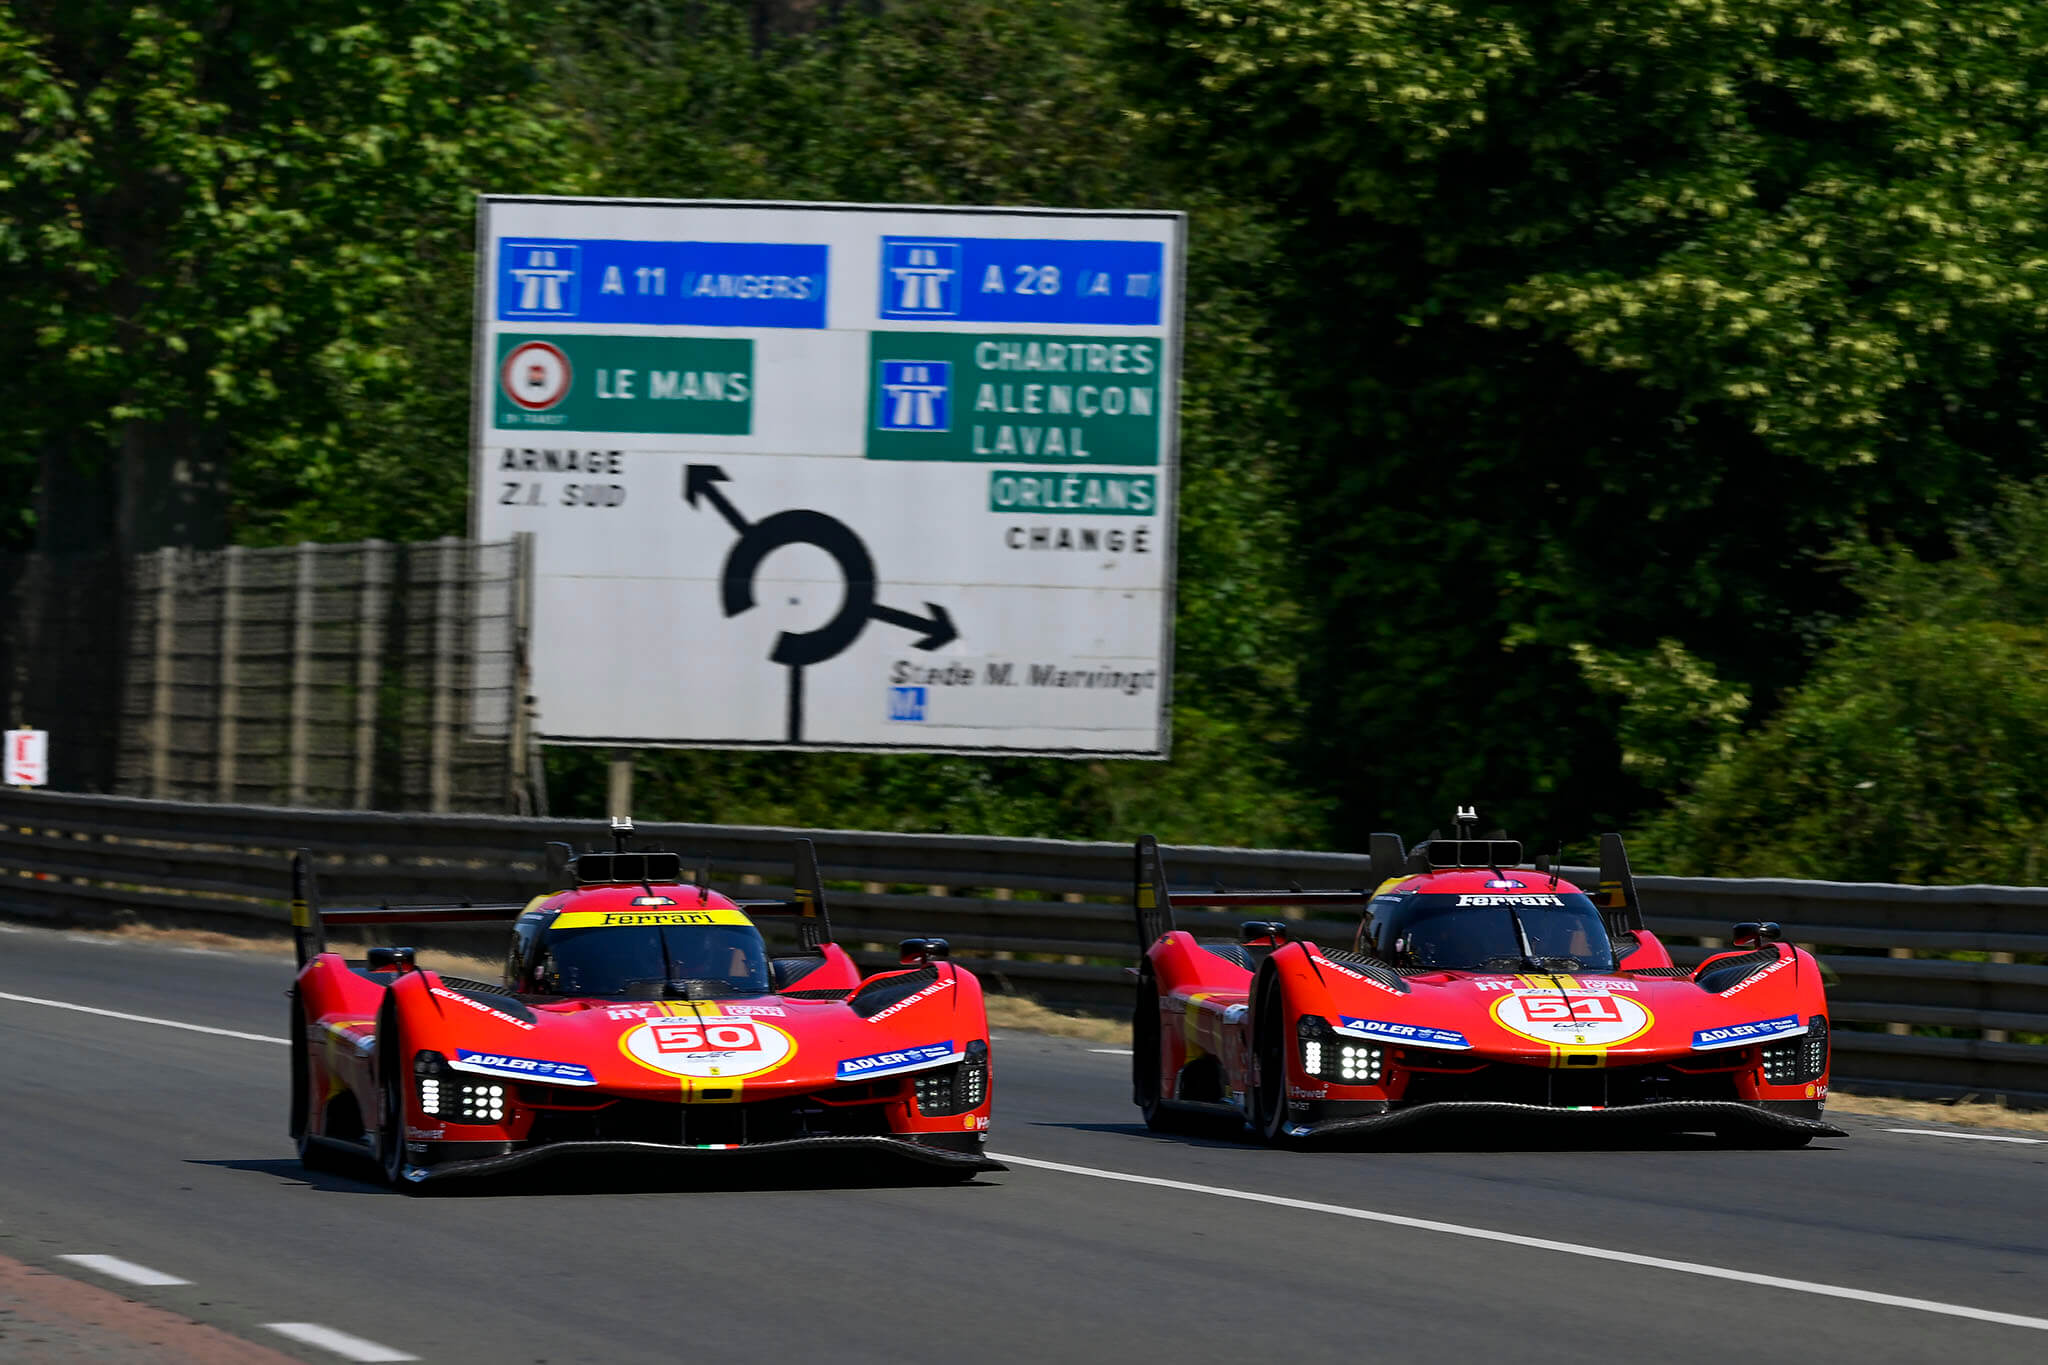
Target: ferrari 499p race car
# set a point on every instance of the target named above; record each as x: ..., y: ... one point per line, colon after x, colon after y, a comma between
x: 1473, y: 987
x: 640, y: 1013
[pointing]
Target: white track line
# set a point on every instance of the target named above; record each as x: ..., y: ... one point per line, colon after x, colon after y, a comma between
x: 1112, y: 1051
x: 116, y: 1268
x: 1832, y: 1291
x: 145, y: 1019
x: 341, y: 1343
x: 1969, y: 1137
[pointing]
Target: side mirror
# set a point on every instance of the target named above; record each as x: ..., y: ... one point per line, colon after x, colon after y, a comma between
x: 916, y: 952
x: 1756, y: 933
x: 391, y: 960
x: 1252, y: 930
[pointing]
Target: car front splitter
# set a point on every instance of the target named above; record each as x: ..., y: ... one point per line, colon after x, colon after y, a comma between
x: 527, y: 1156
x: 1672, y: 1115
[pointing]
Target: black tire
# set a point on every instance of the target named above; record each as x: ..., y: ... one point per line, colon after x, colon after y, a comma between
x: 1269, y: 1051
x: 392, y: 1077
x: 312, y: 1155
x: 1145, y: 1049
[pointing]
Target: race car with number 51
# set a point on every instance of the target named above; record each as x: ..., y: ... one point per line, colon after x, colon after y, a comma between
x: 1473, y: 987
x: 640, y: 1014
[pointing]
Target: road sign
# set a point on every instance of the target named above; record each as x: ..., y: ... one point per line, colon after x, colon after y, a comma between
x: 836, y: 476
x: 28, y: 758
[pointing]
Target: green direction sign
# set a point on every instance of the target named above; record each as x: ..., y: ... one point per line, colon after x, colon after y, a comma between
x: 998, y: 397
x: 695, y: 385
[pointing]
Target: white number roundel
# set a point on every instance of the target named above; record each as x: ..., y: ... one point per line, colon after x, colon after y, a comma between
x: 1572, y: 1018
x: 535, y: 375
x: 703, y: 1049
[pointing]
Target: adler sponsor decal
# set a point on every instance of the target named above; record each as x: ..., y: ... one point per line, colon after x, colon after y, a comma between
x: 1418, y: 1035
x: 1780, y: 965
x: 1739, y: 1035
x: 899, y: 1061
x: 523, y: 1068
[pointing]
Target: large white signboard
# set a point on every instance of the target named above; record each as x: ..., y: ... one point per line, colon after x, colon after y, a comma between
x: 836, y: 476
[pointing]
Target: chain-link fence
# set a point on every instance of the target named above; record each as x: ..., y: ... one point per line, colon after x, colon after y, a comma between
x: 370, y: 676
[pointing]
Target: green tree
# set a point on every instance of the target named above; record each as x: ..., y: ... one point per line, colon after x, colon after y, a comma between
x: 215, y: 222
x: 1913, y: 753
x: 1604, y: 323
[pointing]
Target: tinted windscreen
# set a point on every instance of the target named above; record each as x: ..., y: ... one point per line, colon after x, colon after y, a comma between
x: 1479, y: 932
x: 652, y: 962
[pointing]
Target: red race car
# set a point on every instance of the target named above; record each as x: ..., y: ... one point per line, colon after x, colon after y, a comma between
x: 1474, y: 987
x: 640, y: 1013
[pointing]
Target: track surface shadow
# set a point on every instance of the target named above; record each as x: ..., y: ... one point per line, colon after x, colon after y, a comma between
x: 739, y: 1173
x: 1451, y: 1136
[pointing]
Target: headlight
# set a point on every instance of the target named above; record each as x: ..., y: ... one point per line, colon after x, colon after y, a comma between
x: 1326, y: 1055
x: 954, y: 1089
x: 479, y: 1102
x: 1798, y: 1060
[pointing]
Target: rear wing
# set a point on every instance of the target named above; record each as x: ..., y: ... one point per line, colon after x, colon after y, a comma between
x: 310, y: 920
x: 1617, y: 900
x: 806, y: 903
x: 1153, y: 899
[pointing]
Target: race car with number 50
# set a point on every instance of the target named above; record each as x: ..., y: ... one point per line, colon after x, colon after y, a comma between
x: 1474, y: 987
x: 640, y: 1013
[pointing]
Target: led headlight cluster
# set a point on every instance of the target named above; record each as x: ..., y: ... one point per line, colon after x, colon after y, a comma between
x: 428, y: 1069
x: 480, y: 1102
x: 1797, y: 1060
x: 955, y: 1089
x: 1358, y: 1064
x: 1333, y: 1058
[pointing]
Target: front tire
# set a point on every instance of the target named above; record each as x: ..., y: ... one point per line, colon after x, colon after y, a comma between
x: 1270, y: 1049
x: 393, y: 1075
x: 1147, y: 1086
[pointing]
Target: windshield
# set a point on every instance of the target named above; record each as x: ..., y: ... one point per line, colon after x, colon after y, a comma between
x: 653, y: 961
x: 1478, y: 932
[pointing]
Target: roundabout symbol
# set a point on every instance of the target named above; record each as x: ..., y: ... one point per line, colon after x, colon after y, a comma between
x: 797, y: 650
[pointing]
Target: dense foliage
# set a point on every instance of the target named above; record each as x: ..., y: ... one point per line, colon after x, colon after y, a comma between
x: 1913, y: 752
x: 1547, y: 363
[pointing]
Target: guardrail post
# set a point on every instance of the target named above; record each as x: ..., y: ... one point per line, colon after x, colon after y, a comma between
x: 447, y: 641
x: 227, y: 732
x: 296, y: 756
x: 162, y: 678
x: 373, y: 592
x: 1999, y: 1035
x: 1899, y: 1030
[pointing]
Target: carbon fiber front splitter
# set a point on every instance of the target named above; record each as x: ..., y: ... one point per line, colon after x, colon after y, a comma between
x: 527, y: 1156
x: 1673, y: 1115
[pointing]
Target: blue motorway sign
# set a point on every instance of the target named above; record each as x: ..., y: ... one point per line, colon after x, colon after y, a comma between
x: 704, y: 284
x: 1016, y: 279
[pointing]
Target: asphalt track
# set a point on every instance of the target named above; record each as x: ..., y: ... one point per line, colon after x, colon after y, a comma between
x: 165, y: 1148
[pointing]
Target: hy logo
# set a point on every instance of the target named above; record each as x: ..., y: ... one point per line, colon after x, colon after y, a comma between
x: 543, y: 279
x: 914, y: 396
x: 920, y: 279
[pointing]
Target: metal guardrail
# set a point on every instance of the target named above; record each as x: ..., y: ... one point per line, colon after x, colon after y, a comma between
x: 1933, y: 981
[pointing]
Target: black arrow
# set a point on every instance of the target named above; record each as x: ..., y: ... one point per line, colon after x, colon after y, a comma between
x: 937, y: 629
x: 703, y: 480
